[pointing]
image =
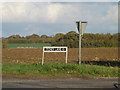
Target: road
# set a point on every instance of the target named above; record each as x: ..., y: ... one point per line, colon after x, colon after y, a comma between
x: 58, y: 83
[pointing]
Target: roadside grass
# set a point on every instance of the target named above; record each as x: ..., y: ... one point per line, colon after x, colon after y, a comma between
x: 59, y: 69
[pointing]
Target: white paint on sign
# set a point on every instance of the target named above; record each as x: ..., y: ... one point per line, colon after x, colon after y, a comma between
x: 54, y: 49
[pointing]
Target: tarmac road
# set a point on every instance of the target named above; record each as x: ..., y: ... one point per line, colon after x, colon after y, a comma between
x: 59, y: 83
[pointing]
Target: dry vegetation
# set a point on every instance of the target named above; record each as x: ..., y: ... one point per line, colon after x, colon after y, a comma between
x: 34, y: 55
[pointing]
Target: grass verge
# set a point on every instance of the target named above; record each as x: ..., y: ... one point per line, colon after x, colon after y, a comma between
x: 59, y: 69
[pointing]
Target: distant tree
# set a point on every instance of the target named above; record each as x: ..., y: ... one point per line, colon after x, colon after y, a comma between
x: 56, y: 39
x: 33, y: 36
x: 14, y: 37
x: 44, y: 36
x: 70, y: 39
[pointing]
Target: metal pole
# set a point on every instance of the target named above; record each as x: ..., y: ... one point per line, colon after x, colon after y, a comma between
x: 66, y: 55
x: 43, y: 57
x: 80, y: 28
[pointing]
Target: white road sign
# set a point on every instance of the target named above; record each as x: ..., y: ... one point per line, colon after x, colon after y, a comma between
x: 54, y: 49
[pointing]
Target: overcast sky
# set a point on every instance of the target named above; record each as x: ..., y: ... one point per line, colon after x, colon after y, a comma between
x: 51, y: 18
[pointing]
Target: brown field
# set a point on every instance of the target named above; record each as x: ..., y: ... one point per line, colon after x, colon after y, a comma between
x: 31, y: 55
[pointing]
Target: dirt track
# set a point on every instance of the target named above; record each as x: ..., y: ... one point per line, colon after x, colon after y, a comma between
x: 31, y: 55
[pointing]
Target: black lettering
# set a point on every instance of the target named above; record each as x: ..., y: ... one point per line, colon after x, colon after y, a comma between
x: 64, y: 49
x: 44, y: 49
x: 61, y: 49
x: 54, y: 49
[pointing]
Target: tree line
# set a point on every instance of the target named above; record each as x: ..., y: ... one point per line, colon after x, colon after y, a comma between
x: 70, y: 39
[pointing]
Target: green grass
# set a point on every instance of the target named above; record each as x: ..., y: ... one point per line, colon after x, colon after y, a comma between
x: 59, y: 69
x: 14, y: 45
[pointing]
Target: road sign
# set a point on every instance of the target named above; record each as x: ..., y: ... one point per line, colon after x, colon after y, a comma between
x: 54, y: 49
x: 81, y: 26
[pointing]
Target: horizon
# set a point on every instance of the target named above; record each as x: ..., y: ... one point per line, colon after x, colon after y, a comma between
x: 56, y: 33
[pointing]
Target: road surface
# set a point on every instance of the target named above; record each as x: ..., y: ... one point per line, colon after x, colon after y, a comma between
x: 58, y: 83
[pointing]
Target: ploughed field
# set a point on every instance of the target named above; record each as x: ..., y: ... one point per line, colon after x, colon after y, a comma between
x: 34, y: 55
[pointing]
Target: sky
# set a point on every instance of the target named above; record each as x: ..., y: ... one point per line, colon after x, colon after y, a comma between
x: 50, y: 18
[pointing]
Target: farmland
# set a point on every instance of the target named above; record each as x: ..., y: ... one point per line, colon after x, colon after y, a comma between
x: 34, y: 55
x: 27, y: 61
x: 15, y: 45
